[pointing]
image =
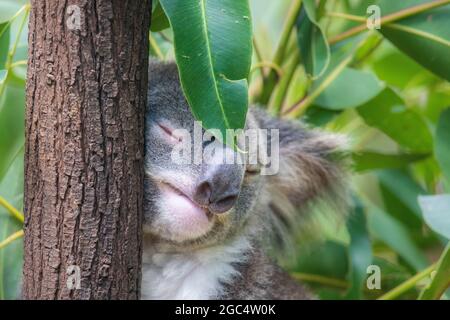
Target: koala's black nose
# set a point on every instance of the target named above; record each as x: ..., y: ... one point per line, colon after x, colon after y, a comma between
x: 218, y: 190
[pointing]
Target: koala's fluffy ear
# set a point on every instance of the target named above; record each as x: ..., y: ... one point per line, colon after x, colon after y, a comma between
x: 312, y: 169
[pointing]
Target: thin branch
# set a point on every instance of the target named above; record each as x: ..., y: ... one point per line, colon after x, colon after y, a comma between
x: 11, y: 238
x: 18, y: 63
x: 19, y: 33
x: 155, y: 47
x: 267, y: 64
x: 347, y: 16
x: 258, y: 53
x: 359, y: 60
x: 408, y: 284
x: 300, y: 108
x: 26, y: 8
x: 331, y: 282
x: 271, y: 79
x: 13, y: 211
x: 391, y: 18
x: 283, y: 88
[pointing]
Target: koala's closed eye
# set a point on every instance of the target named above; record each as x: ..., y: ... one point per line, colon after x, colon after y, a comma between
x: 168, y: 132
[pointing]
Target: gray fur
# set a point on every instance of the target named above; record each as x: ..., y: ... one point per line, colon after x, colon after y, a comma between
x: 310, y: 169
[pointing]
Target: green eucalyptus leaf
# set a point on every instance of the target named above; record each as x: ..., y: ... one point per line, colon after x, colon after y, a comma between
x: 360, y: 250
x: 388, y: 113
x: 350, y: 89
x: 328, y: 259
x: 436, y: 211
x: 425, y: 37
x: 159, y: 19
x: 11, y: 256
x: 396, y: 68
x: 318, y: 117
x: 4, y: 43
x: 393, y: 274
x: 213, y: 48
x: 312, y: 41
x: 400, y: 191
x: 367, y: 160
x: 12, y: 113
x: 442, y: 143
x: 389, y: 6
x: 403, y: 186
x: 396, y: 236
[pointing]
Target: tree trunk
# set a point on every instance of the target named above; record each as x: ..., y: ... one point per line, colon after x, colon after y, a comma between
x: 86, y: 97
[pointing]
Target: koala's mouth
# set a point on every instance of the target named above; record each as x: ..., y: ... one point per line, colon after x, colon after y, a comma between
x: 180, y: 218
x: 172, y: 188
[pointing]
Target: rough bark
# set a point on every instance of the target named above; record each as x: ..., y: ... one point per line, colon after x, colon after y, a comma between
x: 86, y: 97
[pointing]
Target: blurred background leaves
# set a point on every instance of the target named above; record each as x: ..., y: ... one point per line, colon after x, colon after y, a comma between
x: 13, y: 49
x: 317, y: 61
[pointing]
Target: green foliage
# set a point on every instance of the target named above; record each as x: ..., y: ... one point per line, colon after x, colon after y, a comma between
x: 442, y: 145
x: 351, y: 88
x: 388, y: 113
x: 312, y: 41
x: 367, y: 160
x: 315, y: 61
x: 424, y: 37
x: 159, y: 19
x: 12, y: 106
x: 359, y: 250
x: 4, y: 47
x: 11, y: 256
x: 394, y: 234
x: 436, y: 213
x: 441, y: 279
x: 214, y: 68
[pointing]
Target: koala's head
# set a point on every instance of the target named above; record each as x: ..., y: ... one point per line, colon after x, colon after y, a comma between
x: 200, y: 204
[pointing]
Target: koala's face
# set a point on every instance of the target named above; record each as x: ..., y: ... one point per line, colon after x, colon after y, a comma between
x: 190, y: 204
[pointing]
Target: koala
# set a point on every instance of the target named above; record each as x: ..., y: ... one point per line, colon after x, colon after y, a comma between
x: 208, y: 227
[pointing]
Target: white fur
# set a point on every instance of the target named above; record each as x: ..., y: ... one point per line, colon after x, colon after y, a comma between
x: 192, y: 275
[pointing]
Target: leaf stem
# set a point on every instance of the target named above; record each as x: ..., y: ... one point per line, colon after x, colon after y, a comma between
x: 281, y: 92
x: 11, y: 238
x: 347, y: 16
x: 19, y: 32
x: 26, y: 6
x: 13, y: 211
x: 257, y: 50
x: 271, y: 79
x: 332, y: 282
x: 299, y: 108
x: 396, y: 26
x: 441, y: 279
x: 390, y: 18
x: 155, y: 47
x: 267, y: 64
x: 18, y: 63
x: 12, y: 52
x: 408, y: 284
